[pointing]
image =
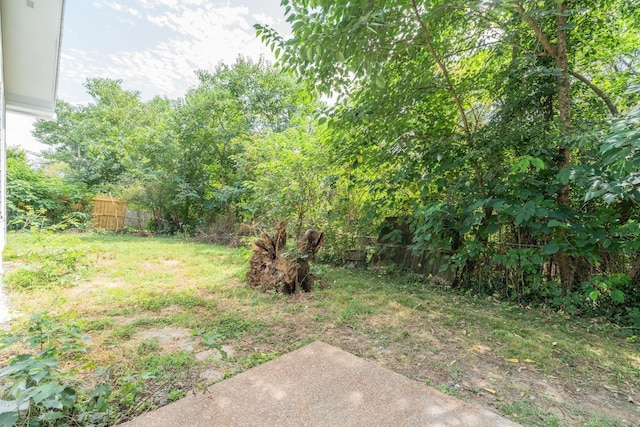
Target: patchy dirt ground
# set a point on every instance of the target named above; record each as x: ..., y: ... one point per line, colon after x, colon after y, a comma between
x: 440, y: 357
x: 458, y: 356
x: 418, y: 348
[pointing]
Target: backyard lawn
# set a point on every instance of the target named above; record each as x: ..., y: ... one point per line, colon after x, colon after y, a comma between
x: 165, y: 316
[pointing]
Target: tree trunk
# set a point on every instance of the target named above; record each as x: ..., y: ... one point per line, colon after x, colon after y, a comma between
x: 635, y: 271
x: 273, y: 269
x: 566, y: 264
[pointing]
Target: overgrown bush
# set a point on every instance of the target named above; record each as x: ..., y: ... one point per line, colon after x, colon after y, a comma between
x: 37, y: 200
x: 508, y: 248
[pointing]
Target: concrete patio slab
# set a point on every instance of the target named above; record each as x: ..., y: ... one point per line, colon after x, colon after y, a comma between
x: 319, y: 385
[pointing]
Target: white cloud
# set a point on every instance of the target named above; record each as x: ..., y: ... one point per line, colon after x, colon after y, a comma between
x: 202, y: 22
x: 130, y: 22
x: 146, y: 4
x: 169, y: 3
x: 113, y: 5
x: 198, y: 34
x: 263, y: 19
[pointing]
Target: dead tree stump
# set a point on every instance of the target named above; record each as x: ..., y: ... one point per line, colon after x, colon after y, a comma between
x: 274, y: 269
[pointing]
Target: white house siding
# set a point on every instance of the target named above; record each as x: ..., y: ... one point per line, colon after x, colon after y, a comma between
x: 4, y: 307
x: 3, y: 154
x: 30, y: 34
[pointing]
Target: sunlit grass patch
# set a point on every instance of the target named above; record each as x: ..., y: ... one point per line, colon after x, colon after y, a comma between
x: 136, y: 289
x: 97, y: 324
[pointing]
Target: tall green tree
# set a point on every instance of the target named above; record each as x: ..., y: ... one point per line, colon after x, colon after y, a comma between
x: 287, y: 177
x: 478, y: 111
x: 194, y: 178
x: 174, y: 157
x: 95, y: 139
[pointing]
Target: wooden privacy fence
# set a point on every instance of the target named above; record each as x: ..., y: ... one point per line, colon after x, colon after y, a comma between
x: 109, y: 213
x: 424, y: 262
x: 393, y: 246
x: 137, y: 219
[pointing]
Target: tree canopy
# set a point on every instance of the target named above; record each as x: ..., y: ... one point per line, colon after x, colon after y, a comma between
x: 485, y: 123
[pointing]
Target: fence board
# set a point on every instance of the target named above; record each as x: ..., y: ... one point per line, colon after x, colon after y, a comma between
x: 109, y: 212
x: 137, y: 219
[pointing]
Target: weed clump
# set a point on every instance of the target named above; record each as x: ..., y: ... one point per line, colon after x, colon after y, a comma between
x: 35, y: 389
x: 52, y: 267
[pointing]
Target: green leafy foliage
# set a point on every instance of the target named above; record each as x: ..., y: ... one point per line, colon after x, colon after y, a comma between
x: 44, y: 394
x: 93, y: 140
x: 480, y: 142
x: 290, y: 178
x: 182, y: 159
x: 613, y: 297
x: 619, y: 176
x: 503, y: 131
x: 37, y: 199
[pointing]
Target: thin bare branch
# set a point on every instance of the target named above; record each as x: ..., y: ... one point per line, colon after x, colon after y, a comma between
x: 443, y: 68
x: 612, y: 108
x: 549, y: 47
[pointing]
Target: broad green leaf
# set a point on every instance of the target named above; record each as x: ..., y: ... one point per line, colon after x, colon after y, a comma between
x: 9, y: 419
x: 51, y: 416
x: 550, y: 249
x: 594, y: 295
x: 498, y: 204
x: 521, y: 166
x: 52, y: 404
x: 618, y: 296
x: 493, y: 228
x: 530, y: 208
x: 564, y: 176
x: 610, y: 197
x: 44, y: 391
x: 101, y: 390
x: 542, y: 212
x: 537, y: 163
x: 68, y: 396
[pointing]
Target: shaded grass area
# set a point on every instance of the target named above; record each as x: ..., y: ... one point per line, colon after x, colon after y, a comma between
x: 535, y: 367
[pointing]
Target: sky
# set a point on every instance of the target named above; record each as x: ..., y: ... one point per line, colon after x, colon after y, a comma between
x: 153, y: 46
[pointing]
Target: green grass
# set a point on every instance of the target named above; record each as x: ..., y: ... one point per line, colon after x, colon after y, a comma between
x: 456, y: 343
x: 525, y: 411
